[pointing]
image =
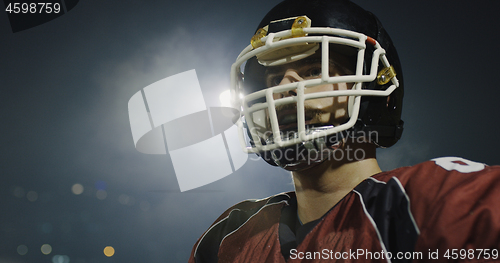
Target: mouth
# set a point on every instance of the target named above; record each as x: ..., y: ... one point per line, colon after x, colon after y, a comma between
x: 287, y: 118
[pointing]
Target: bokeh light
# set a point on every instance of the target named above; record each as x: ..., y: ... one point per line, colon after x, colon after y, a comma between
x: 101, y: 194
x: 18, y: 192
x: 77, y: 189
x: 46, y: 249
x: 60, y: 259
x: 101, y: 185
x: 22, y: 250
x: 109, y: 251
x: 123, y: 199
x: 126, y: 199
x: 32, y: 196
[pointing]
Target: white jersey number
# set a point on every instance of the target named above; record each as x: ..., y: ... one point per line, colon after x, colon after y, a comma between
x: 459, y: 164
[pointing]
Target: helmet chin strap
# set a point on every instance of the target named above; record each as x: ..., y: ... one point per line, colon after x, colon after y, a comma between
x: 306, y: 154
x: 302, y: 164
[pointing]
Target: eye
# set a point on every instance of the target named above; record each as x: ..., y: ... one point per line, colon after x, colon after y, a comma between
x: 313, y: 72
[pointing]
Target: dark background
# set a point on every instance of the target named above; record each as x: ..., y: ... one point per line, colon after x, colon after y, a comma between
x: 65, y: 86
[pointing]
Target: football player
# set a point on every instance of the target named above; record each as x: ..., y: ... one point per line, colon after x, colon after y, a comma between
x: 320, y: 87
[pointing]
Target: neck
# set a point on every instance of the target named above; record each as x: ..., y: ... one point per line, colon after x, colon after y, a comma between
x: 319, y: 188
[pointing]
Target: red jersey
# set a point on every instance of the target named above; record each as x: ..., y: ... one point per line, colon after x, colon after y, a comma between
x: 446, y: 209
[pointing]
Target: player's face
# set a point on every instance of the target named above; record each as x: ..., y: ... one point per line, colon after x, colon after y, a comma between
x: 323, y: 111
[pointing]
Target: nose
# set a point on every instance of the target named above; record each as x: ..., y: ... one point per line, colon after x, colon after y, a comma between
x: 290, y: 76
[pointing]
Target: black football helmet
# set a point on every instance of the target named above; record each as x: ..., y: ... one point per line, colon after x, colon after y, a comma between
x: 294, y: 31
